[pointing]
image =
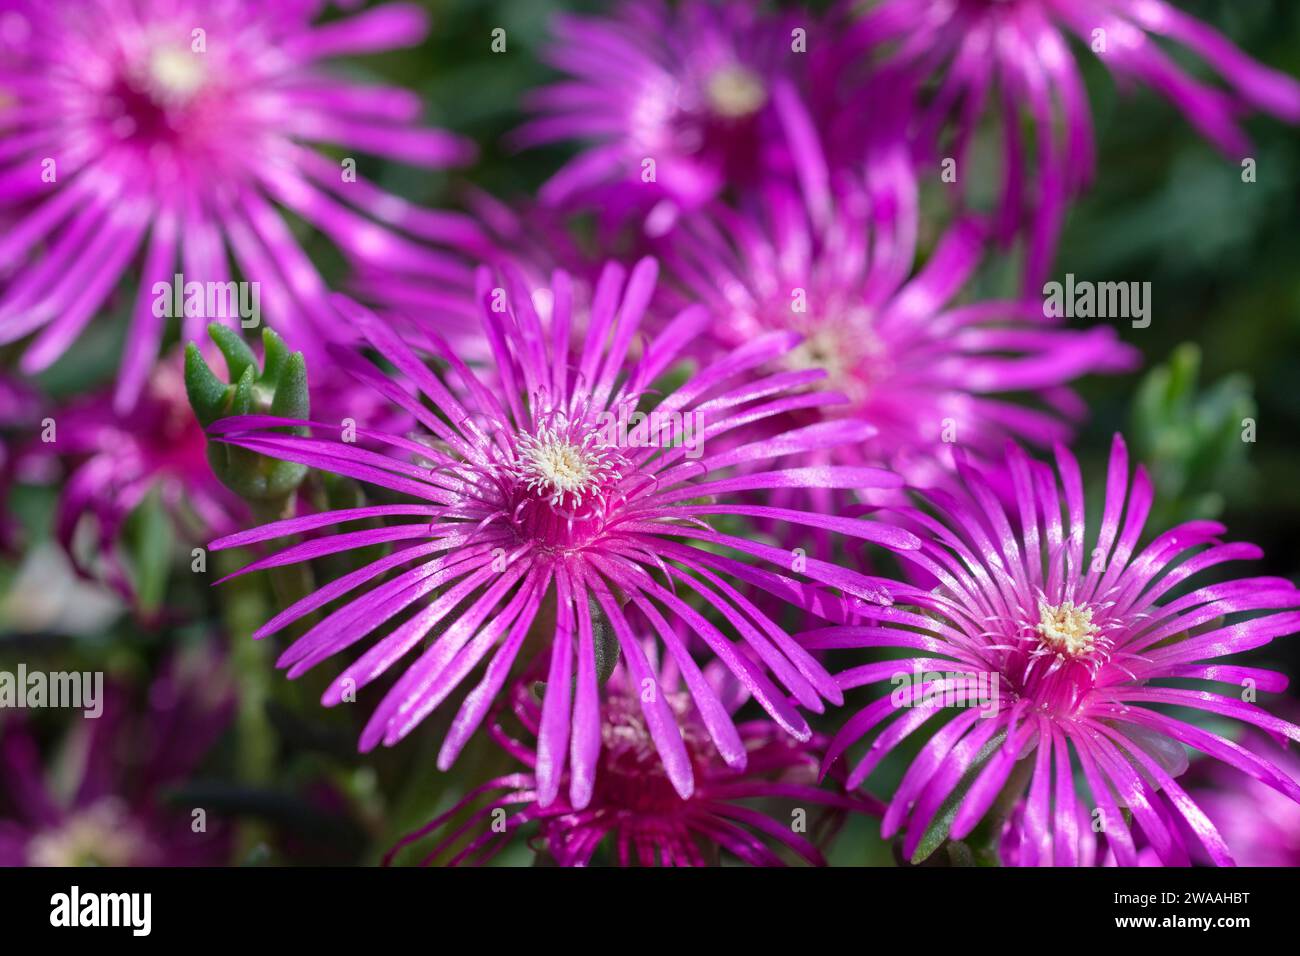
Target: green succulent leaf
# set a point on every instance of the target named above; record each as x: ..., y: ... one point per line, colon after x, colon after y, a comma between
x: 208, y: 395
x: 1194, y: 439
x: 279, y: 388
x: 239, y: 357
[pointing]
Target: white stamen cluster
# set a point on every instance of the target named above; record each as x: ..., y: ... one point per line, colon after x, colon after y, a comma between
x: 625, y: 729
x: 103, y: 834
x: 566, y: 470
x: 1067, y: 628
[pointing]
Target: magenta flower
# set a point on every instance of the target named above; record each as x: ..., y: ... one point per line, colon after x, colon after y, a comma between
x: 1061, y: 642
x: 676, y: 104
x: 930, y: 374
x: 529, y: 506
x: 167, y: 134
x: 1013, y: 57
x: 109, y: 805
x: 635, y: 806
x: 116, y: 460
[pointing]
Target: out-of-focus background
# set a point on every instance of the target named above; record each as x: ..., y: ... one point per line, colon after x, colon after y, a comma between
x: 282, y: 782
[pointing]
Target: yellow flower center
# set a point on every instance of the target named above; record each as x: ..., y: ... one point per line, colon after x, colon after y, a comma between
x: 1066, y: 628
x: 176, y: 73
x: 101, y: 835
x: 736, y: 92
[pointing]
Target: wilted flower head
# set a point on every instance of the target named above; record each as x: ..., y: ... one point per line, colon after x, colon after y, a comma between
x: 168, y: 133
x: 529, y: 504
x: 1061, y: 644
x: 676, y: 102
x: 837, y: 265
x: 1014, y: 57
x: 635, y: 811
x: 107, y: 804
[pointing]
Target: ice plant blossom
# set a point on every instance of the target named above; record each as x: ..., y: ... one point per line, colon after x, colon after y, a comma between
x: 676, y: 103
x: 167, y: 134
x: 524, y: 519
x: 1010, y: 57
x: 1084, y: 631
x: 116, y: 461
x: 635, y: 809
x: 929, y: 371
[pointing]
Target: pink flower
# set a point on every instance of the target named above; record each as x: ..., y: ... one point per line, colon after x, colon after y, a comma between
x: 166, y: 135
x: 1013, y: 57
x: 836, y: 263
x: 676, y: 104
x: 524, y: 511
x: 1058, y: 646
x: 115, y: 461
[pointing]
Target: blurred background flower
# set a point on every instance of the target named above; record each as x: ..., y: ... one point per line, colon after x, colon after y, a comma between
x: 176, y: 129
x: 98, y: 794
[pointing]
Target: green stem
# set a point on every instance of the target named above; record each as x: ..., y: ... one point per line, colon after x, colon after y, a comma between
x: 242, y: 611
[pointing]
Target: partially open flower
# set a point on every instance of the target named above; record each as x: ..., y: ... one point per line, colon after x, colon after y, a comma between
x: 761, y: 814
x: 1013, y: 59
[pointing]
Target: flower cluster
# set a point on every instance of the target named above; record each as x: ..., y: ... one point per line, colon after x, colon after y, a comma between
x: 710, y: 483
